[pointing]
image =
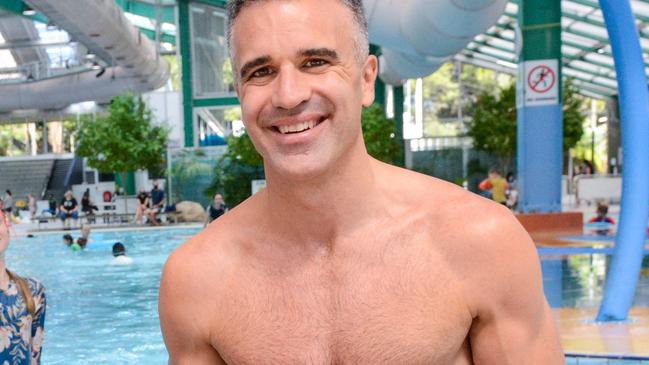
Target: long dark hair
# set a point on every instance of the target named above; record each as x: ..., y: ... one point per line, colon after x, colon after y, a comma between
x: 26, y: 293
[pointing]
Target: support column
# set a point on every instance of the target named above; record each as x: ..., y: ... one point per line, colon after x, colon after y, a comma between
x: 45, y: 136
x: 622, y: 278
x: 184, y: 44
x: 539, y: 107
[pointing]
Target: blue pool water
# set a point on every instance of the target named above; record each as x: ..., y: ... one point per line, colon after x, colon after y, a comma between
x: 101, y: 314
x: 97, y: 313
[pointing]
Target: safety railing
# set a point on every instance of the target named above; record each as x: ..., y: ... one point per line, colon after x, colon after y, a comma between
x: 598, y: 359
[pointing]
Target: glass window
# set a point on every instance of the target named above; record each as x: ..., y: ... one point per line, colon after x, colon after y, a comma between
x: 214, y: 124
x: 212, y: 72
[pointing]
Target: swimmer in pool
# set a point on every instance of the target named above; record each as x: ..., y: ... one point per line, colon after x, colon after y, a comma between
x: 85, y: 236
x: 343, y: 259
x: 119, y: 255
x: 69, y: 241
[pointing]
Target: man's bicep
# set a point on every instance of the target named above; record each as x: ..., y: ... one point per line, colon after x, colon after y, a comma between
x: 524, y: 339
x: 183, y: 329
x: 514, y: 323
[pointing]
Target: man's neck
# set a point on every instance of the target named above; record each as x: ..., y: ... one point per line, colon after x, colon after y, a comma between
x: 326, y: 207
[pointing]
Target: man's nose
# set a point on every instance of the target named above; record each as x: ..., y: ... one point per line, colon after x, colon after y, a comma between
x: 291, y: 88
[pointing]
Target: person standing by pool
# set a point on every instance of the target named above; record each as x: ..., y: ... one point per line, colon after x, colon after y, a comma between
x: 496, y: 185
x: 22, y: 301
x: 343, y: 259
x: 31, y: 205
x: 8, y: 202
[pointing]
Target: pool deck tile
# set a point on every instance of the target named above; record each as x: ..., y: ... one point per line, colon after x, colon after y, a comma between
x: 581, y: 334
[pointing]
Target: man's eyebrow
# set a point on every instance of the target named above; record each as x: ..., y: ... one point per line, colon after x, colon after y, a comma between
x: 248, y: 66
x: 319, y: 52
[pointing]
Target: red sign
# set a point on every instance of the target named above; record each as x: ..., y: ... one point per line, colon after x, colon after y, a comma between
x: 541, y: 79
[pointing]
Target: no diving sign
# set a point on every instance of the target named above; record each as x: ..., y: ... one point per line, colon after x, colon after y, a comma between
x: 541, y: 82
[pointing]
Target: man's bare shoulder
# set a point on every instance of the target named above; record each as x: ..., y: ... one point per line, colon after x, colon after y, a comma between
x: 430, y: 194
x: 219, y: 245
x: 464, y: 221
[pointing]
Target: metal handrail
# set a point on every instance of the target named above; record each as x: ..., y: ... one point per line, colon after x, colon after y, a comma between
x: 577, y: 355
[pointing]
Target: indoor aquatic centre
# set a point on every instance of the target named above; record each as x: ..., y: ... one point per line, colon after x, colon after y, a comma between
x: 324, y: 182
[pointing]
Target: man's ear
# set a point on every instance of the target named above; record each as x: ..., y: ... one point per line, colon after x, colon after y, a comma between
x: 369, y: 73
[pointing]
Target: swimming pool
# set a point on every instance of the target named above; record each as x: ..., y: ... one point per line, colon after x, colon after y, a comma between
x: 101, y: 314
x: 97, y: 313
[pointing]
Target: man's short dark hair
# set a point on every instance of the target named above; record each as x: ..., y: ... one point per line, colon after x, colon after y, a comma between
x: 234, y: 7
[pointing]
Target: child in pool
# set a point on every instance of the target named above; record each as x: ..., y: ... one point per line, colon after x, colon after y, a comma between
x: 69, y: 241
x: 120, y: 256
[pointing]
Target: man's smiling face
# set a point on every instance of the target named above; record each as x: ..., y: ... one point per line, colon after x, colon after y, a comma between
x: 301, y: 83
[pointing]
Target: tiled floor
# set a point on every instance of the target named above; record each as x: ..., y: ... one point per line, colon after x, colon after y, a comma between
x: 581, y: 334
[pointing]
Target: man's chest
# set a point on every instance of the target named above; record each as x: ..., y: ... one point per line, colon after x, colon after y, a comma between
x: 379, y: 312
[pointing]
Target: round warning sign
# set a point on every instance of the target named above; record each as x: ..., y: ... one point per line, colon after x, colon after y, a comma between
x: 541, y: 79
x: 541, y: 82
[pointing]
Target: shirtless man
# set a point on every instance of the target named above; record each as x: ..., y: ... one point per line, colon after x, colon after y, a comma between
x: 400, y: 268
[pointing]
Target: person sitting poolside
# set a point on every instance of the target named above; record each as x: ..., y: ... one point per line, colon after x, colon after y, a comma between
x: 216, y: 209
x: 157, y: 204
x: 52, y: 208
x: 69, y: 208
x: 120, y: 256
x: 141, y: 207
x: 87, y: 205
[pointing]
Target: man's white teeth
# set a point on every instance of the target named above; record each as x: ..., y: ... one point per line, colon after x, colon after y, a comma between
x: 299, y: 127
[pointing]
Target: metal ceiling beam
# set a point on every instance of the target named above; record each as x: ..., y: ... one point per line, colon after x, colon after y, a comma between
x: 164, y: 37
x: 568, y: 58
x: 19, y: 7
x: 167, y: 12
x: 587, y: 35
x: 32, y: 44
x: 500, y: 58
x: 487, y: 44
x: 585, y: 87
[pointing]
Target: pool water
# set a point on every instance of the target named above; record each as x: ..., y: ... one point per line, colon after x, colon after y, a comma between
x: 102, y: 314
x: 577, y: 281
x: 97, y: 313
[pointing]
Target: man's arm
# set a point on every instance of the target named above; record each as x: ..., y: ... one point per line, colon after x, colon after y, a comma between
x: 184, y: 327
x: 513, y: 323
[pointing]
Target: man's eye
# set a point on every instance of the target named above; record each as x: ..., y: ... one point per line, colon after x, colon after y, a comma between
x: 315, y: 63
x: 262, y: 72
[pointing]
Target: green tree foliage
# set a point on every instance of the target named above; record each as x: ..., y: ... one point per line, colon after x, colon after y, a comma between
x: 188, y: 166
x: 450, y: 88
x: 236, y: 169
x: 379, y: 134
x: 242, y: 164
x: 124, y: 139
x: 574, y: 115
x: 493, y: 128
